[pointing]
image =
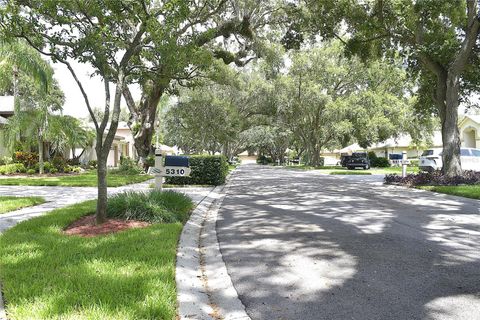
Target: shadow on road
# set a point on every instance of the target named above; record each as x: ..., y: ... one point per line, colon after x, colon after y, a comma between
x: 300, y: 245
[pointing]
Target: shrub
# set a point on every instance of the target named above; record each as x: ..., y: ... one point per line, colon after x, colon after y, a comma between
x: 264, y: 160
x: 377, y: 162
x: 92, y: 164
x: 47, y: 166
x: 434, y: 178
x: 12, y: 168
x: 206, y: 170
x: 53, y: 170
x: 59, y: 163
x: 153, y: 206
x: 28, y: 159
x: 31, y: 171
x: 128, y: 166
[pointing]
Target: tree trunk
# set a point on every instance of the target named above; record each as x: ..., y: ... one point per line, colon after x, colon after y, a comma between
x: 40, y: 156
x: 450, y: 134
x: 142, y: 119
x: 101, y: 214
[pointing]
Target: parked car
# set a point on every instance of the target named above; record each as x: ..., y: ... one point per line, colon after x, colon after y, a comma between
x: 358, y: 160
x: 344, y: 159
x: 431, y: 159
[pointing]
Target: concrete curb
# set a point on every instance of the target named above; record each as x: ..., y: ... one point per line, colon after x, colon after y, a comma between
x: 204, y: 288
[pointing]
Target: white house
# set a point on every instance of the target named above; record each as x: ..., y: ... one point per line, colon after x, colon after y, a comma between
x: 468, y: 126
x: 6, y: 111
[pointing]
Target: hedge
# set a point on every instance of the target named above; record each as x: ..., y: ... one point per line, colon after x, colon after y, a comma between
x: 211, y: 170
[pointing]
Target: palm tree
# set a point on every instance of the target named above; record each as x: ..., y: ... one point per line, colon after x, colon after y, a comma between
x: 17, y: 57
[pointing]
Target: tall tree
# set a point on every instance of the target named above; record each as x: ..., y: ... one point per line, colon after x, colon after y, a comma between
x: 107, y: 35
x: 438, y: 39
x: 186, y: 49
x: 17, y: 58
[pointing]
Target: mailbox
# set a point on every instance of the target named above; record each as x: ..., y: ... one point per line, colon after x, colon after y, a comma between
x: 176, y: 161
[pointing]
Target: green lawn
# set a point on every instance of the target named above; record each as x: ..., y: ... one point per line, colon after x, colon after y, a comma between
x: 8, y: 203
x: 127, y: 275
x: 471, y: 191
x: 88, y: 179
x: 351, y: 172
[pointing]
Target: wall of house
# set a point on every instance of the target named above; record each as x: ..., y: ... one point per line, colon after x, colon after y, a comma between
x: 128, y: 150
x: 470, y: 134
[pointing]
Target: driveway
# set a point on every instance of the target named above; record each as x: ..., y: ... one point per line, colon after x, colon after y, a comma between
x: 302, y: 245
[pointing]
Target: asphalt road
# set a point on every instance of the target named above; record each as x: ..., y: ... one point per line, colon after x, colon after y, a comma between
x: 302, y: 245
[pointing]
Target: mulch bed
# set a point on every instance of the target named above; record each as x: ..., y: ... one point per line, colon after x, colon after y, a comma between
x: 86, y: 227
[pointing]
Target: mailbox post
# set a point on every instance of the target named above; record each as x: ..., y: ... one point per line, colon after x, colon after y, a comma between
x: 404, y: 164
x: 159, y: 164
x: 168, y: 166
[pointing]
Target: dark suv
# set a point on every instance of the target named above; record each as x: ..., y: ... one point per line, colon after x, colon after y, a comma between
x: 358, y: 160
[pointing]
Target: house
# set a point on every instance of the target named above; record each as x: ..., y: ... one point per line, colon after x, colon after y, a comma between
x: 122, y: 146
x: 468, y: 126
x: 6, y: 111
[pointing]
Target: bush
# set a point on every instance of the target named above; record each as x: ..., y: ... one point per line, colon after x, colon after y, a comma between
x: 434, y: 178
x: 153, y: 206
x: 128, y: 166
x: 12, y: 168
x: 53, y: 170
x: 31, y: 171
x: 47, y: 166
x: 28, y: 159
x: 264, y: 160
x: 92, y: 164
x: 59, y: 163
x: 377, y: 162
x: 206, y: 170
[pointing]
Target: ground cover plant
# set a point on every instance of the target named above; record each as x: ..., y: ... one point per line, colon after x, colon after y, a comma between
x: 125, y: 275
x: 87, y: 179
x: 465, y: 185
x: 10, y: 203
x: 434, y: 178
x: 152, y: 206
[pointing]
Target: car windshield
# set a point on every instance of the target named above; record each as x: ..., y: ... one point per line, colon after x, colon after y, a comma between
x: 431, y: 153
x: 359, y: 155
x: 465, y: 153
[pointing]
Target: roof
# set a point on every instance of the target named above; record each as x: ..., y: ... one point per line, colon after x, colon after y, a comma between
x: 402, y: 141
x: 473, y: 117
x: 6, y: 104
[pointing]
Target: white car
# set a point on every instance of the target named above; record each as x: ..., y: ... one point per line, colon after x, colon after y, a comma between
x: 431, y: 159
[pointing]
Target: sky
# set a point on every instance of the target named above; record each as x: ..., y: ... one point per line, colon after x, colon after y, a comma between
x: 74, y: 102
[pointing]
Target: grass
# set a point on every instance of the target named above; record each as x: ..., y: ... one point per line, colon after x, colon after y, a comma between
x: 128, y: 275
x: 467, y: 191
x: 87, y: 179
x: 351, y: 172
x: 8, y: 203
x: 152, y: 206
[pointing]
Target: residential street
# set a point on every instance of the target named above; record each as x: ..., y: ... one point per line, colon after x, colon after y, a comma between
x: 302, y: 245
